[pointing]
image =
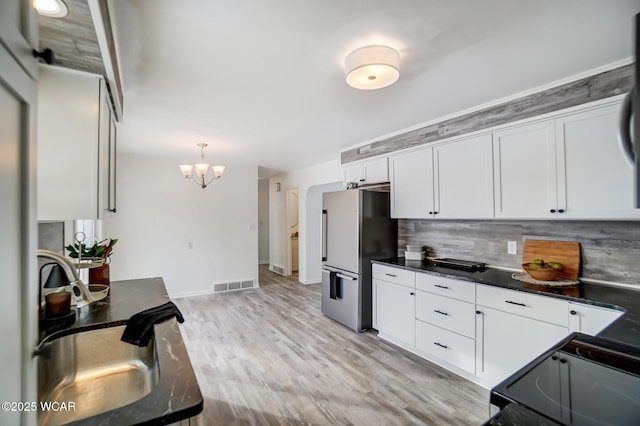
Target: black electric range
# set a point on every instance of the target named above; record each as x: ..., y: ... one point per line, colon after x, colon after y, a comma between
x: 583, y: 380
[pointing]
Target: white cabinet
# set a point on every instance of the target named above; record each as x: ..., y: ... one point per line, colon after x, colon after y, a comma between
x: 395, y: 311
x: 594, y: 179
x: 450, y: 181
x: 394, y: 303
x: 570, y: 167
x: 506, y: 342
x: 75, y: 131
x: 369, y: 171
x: 445, y: 320
x: 513, y: 327
x: 589, y: 319
x: 412, y: 184
x: 463, y: 179
x: 525, y: 171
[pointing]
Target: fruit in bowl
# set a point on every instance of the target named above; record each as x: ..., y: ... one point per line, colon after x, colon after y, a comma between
x: 542, y: 271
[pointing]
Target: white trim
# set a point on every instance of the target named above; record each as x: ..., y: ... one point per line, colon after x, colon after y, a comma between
x: 570, y: 79
x: 191, y: 294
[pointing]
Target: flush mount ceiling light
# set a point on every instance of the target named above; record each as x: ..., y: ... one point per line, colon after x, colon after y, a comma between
x: 372, y: 67
x: 201, y: 170
x: 51, y: 8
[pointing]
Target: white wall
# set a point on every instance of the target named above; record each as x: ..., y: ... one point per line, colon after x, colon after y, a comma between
x: 309, y: 215
x: 160, y: 213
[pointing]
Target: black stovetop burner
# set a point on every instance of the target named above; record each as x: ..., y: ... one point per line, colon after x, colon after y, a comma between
x: 462, y: 265
x: 581, y: 381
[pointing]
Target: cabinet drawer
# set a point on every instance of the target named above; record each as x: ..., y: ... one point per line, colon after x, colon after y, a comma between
x: 394, y: 275
x: 450, y: 287
x: 528, y: 305
x: 451, y: 314
x: 450, y: 347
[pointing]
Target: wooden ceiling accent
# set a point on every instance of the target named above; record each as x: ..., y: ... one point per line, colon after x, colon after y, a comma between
x: 72, y: 39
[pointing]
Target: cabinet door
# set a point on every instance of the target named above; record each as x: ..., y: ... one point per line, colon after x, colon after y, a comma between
x: 18, y: 226
x: 590, y: 319
x: 412, y: 184
x: 353, y: 173
x: 68, y: 129
x: 506, y: 342
x: 376, y: 170
x: 395, y: 311
x: 463, y: 173
x: 594, y: 179
x: 525, y: 171
x: 103, y: 150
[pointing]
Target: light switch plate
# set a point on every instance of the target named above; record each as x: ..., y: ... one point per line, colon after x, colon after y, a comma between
x: 512, y: 247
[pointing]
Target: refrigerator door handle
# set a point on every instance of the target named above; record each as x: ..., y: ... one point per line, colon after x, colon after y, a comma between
x: 324, y: 235
x: 344, y: 277
x: 624, y: 130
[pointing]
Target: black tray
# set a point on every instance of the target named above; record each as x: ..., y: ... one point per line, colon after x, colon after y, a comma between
x: 463, y: 265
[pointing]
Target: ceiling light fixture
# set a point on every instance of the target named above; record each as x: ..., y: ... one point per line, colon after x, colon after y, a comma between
x: 201, y: 170
x: 51, y: 8
x: 372, y: 67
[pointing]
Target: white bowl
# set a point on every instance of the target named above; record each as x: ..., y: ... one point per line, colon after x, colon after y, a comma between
x: 414, y: 248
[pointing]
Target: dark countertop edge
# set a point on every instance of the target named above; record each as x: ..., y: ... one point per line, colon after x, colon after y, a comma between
x: 625, y: 329
x: 177, y: 395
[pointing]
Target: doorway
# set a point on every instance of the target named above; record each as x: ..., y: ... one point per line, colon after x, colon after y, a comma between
x: 292, y: 206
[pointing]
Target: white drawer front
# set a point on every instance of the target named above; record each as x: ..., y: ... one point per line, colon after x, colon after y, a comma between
x: 450, y: 287
x: 541, y: 308
x: 450, y: 347
x: 451, y: 314
x: 394, y: 275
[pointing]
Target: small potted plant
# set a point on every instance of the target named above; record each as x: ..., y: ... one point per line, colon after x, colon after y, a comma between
x: 100, y: 252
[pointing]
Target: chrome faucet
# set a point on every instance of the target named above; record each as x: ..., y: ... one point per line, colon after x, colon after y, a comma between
x: 80, y: 291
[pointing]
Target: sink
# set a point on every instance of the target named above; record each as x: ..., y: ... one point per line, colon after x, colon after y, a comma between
x: 96, y: 371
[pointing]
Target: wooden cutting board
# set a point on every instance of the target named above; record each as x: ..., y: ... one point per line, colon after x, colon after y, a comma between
x: 565, y: 252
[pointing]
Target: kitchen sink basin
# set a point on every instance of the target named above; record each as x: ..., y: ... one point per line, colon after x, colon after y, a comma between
x: 92, y: 372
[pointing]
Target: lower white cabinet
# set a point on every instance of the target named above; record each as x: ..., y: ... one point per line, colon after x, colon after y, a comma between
x: 483, y: 332
x: 446, y: 345
x: 590, y: 319
x: 395, y: 316
x: 506, y: 342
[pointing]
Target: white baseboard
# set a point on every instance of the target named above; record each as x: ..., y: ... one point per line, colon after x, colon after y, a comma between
x: 190, y: 294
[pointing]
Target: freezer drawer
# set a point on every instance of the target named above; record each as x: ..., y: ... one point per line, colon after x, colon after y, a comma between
x: 346, y: 306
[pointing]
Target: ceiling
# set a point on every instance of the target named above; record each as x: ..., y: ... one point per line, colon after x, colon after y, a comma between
x: 263, y: 82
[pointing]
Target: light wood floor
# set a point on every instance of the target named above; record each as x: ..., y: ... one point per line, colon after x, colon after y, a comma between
x: 269, y: 357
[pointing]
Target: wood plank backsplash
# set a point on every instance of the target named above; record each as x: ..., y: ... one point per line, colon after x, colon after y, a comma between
x: 610, y: 250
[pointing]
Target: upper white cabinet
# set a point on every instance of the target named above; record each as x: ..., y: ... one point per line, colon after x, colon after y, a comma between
x: 449, y: 181
x: 570, y: 167
x: 412, y: 184
x: 463, y: 179
x: 76, y: 132
x: 594, y: 179
x: 525, y: 171
x: 369, y: 171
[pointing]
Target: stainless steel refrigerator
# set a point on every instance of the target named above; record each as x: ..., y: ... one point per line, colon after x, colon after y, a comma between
x: 356, y: 228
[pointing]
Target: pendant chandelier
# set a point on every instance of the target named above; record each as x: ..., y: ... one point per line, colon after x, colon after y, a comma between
x: 198, y: 171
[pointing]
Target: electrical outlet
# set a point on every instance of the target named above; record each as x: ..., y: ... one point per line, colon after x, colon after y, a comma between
x: 512, y: 247
x: 190, y: 245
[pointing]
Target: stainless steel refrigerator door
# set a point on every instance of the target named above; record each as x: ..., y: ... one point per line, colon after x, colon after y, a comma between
x: 341, y: 229
x: 346, y: 308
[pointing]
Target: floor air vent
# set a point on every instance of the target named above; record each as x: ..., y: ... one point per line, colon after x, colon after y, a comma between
x: 277, y: 269
x: 233, y: 286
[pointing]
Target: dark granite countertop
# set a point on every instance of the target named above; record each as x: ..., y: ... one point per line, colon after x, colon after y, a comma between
x: 625, y: 329
x: 177, y: 395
